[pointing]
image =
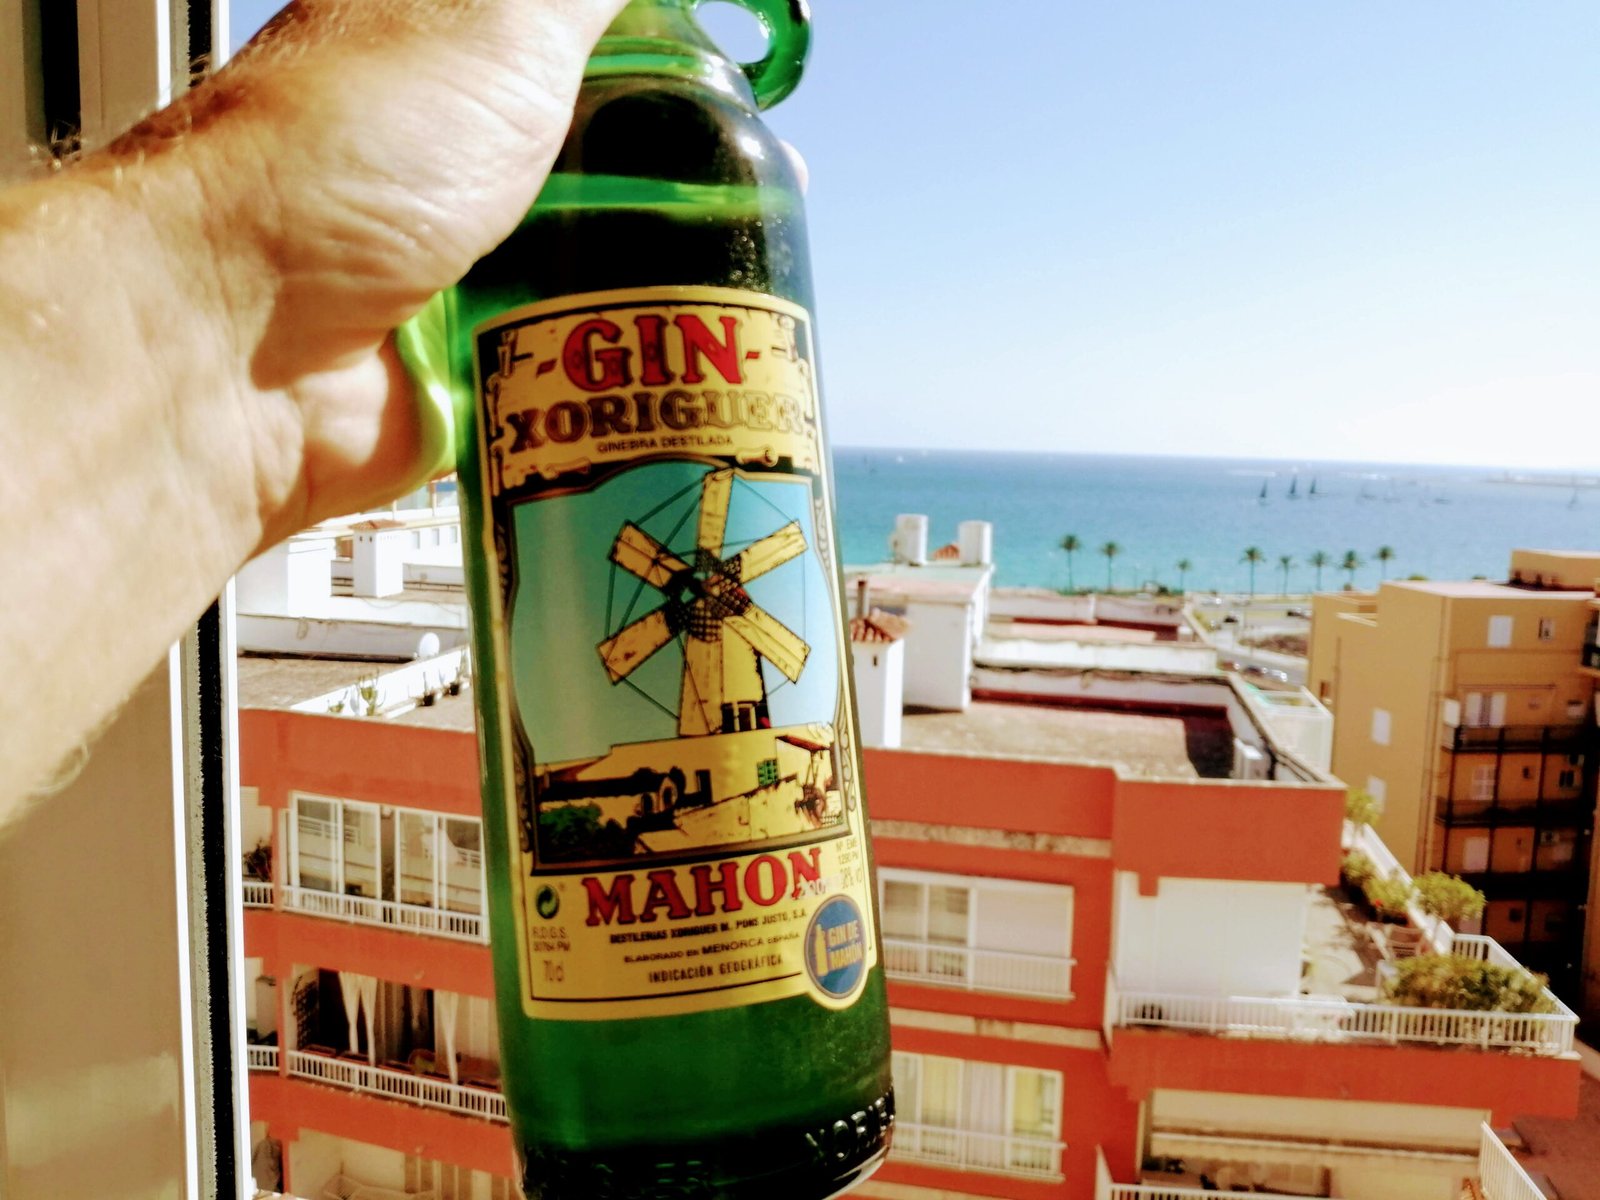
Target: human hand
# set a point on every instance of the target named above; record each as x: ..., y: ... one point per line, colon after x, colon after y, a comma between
x: 195, y: 355
x: 356, y: 158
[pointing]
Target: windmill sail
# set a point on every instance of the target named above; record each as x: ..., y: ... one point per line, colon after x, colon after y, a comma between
x: 722, y: 688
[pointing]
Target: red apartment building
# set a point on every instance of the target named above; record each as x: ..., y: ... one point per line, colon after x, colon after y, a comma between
x: 1119, y: 968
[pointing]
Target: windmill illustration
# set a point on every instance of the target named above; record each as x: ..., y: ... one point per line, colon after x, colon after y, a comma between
x: 704, y: 601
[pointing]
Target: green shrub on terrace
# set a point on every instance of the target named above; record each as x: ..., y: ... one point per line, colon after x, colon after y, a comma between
x: 1389, y: 897
x: 1361, y: 808
x: 1357, y: 869
x: 1448, y: 898
x: 1466, y: 984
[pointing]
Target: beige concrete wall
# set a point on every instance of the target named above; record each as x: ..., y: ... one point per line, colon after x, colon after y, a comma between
x: 91, y: 977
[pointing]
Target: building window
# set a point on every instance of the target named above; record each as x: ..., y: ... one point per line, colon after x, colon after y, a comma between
x: 388, y: 866
x: 980, y: 1116
x: 1484, y: 709
x: 1568, y: 778
x: 1380, y: 726
x: 989, y: 934
x: 1499, y: 631
x: 1483, y: 782
x: 1547, y: 628
x: 1378, y: 789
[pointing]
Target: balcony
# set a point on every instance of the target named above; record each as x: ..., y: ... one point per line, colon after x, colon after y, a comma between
x: 1335, y: 1019
x: 344, y: 1072
x: 963, y: 1149
x: 1502, y: 739
x: 1559, y: 812
x: 262, y: 1058
x: 391, y: 914
x: 343, y: 1187
x: 1500, y: 1176
x: 257, y: 893
x: 970, y: 968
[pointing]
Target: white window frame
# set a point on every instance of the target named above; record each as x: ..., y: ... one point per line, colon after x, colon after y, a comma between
x: 1483, y: 782
x: 956, y: 964
x: 909, y: 1102
x: 1501, y: 630
x: 1547, y: 629
x: 167, y: 765
x: 440, y: 844
x: 1378, y: 789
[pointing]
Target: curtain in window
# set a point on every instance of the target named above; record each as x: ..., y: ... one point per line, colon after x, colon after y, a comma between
x: 984, y: 1113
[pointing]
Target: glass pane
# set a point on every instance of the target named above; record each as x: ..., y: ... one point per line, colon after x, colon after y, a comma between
x: 360, y: 850
x: 416, y: 858
x: 941, y: 1091
x: 947, y: 915
x: 1035, y: 1103
x: 315, y: 826
x: 902, y: 910
x: 462, y: 866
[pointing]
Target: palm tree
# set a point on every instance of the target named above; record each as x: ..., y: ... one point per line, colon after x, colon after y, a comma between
x: 1110, y: 550
x: 1253, y: 555
x: 1319, y: 560
x: 1285, y: 561
x: 1350, y: 564
x: 1385, y: 556
x: 1071, y: 545
x: 1184, y: 567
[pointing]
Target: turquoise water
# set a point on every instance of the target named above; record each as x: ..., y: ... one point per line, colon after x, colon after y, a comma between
x: 1443, y: 522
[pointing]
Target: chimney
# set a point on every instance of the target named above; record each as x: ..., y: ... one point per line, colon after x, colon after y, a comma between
x: 376, y: 566
x: 976, y: 540
x: 910, y: 540
x: 863, y: 589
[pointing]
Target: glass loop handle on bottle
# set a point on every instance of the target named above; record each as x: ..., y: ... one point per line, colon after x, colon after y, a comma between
x: 788, y: 28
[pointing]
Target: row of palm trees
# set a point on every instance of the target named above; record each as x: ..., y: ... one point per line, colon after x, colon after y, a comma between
x: 1253, y: 557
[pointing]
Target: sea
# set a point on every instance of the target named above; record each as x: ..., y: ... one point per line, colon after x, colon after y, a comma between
x: 1442, y: 522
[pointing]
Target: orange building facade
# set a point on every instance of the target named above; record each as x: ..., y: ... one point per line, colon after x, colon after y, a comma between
x: 1097, y: 980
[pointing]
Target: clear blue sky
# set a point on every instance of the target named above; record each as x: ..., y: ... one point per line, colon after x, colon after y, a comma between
x: 1351, y: 229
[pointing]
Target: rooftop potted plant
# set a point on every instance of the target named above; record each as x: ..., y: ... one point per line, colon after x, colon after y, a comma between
x: 1454, y: 981
x: 1448, y: 897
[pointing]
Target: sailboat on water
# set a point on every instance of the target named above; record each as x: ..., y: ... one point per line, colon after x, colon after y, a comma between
x: 1262, y: 499
x: 1313, y: 492
x: 1294, y: 487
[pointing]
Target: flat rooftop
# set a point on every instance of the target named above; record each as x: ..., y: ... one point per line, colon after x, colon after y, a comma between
x: 267, y: 682
x: 1486, y: 589
x: 1151, y: 746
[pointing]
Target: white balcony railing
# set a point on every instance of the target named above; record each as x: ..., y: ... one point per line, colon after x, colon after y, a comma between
x: 1002, y: 1154
x: 1105, y: 1188
x: 262, y: 1058
x: 1502, y: 1176
x: 399, y: 1085
x: 1315, y: 1018
x: 342, y: 1187
x: 257, y: 894
x: 975, y: 969
x: 466, y: 927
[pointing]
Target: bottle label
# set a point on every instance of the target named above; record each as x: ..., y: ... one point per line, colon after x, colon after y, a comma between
x: 680, y: 770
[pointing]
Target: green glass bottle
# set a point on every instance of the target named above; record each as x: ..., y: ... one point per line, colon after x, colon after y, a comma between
x: 687, y: 957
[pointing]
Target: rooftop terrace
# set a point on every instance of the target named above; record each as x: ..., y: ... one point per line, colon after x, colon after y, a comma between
x: 1143, y: 745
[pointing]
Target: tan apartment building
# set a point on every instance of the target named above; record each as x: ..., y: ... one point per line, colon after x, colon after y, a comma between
x: 1467, y: 710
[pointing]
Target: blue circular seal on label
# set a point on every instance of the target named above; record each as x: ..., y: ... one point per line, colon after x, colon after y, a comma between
x: 836, y: 947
